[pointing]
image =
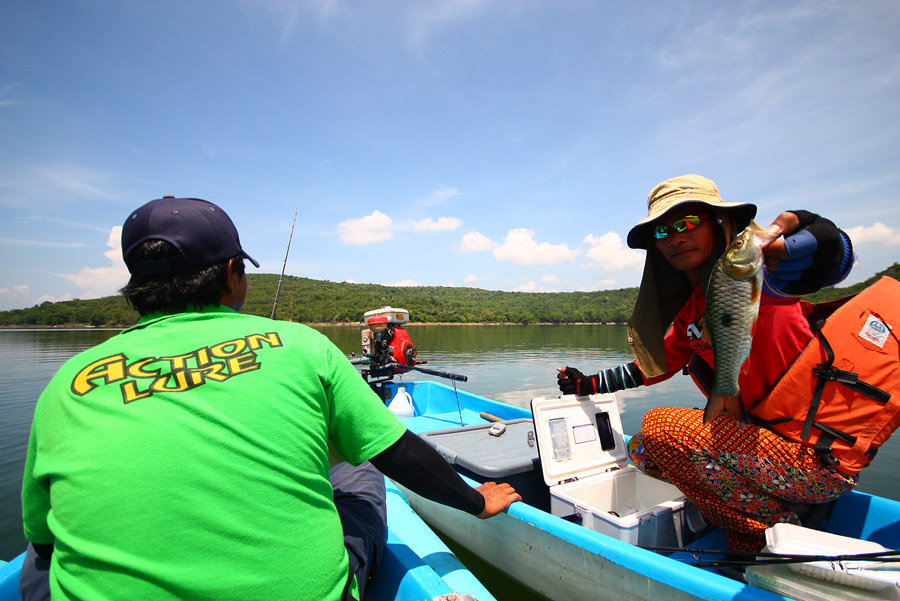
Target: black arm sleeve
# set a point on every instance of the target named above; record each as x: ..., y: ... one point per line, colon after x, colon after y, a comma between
x: 43, y: 551
x: 831, y: 260
x: 417, y: 466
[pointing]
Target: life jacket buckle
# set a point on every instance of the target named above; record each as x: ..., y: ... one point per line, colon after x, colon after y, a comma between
x: 832, y: 374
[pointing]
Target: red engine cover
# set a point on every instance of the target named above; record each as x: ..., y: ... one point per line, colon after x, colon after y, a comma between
x: 402, y: 349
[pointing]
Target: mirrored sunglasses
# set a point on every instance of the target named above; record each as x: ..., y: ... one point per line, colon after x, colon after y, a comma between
x: 685, y: 224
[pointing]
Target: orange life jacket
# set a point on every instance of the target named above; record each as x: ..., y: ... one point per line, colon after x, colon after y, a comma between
x: 841, y: 396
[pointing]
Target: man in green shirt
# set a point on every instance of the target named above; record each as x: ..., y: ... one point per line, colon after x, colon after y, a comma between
x: 187, y: 457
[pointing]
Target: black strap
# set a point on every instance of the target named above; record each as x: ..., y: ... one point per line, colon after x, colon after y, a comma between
x: 820, y: 387
x: 824, y: 451
x: 851, y: 380
x: 826, y: 372
x: 701, y: 373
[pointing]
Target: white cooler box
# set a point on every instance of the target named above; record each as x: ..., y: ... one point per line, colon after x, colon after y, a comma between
x: 585, y: 464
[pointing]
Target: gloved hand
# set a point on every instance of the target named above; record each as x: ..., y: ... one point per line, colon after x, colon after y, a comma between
x: 813, y: 256
x: 572, y: 381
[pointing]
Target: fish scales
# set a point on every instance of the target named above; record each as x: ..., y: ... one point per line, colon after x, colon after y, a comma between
x: 732, y: 306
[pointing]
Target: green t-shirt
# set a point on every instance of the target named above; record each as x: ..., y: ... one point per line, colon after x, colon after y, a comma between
x: 187, y: 458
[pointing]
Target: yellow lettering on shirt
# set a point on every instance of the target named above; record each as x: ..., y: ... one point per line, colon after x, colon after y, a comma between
x: 215, y: 372
x: 136, y: 369
x: 242, y: 364
x: 108, y: 369
x: 228, y: 349
x: 141, y: 378
x: 254, y: 341
x: 131, y: 393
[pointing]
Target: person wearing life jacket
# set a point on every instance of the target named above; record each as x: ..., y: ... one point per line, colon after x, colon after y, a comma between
x: 849, y: 377
x: 743, y: 478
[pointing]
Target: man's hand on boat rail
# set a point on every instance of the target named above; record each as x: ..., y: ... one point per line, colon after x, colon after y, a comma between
x: 497, y: 498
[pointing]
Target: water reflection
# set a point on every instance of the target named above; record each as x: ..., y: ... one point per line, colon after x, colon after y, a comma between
x: 512, y: 364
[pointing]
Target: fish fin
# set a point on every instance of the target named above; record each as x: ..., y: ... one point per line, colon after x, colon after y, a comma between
x: 714, y: 407
x: 735, y: 408
x: 704, y: 331
x: 755, y: 290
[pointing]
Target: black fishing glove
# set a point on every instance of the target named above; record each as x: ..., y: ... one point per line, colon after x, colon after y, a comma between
x: 819, y: 255
x: 572, y: 381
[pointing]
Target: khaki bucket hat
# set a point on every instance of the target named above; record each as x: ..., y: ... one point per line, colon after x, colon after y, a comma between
x: 680, y: 190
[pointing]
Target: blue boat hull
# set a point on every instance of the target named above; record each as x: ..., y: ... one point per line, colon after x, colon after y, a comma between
x: 417, y: 565
x: 565, y: 561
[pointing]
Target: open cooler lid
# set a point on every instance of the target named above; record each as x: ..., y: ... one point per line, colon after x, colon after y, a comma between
x: 578, y: 436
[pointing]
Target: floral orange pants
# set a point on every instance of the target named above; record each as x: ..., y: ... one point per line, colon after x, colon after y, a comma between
x: 738, y: 477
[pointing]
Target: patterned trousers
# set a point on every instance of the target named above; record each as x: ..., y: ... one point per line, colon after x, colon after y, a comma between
x: 738, y: 477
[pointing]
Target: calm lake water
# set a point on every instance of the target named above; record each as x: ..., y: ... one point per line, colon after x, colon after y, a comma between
x: 512, y: 364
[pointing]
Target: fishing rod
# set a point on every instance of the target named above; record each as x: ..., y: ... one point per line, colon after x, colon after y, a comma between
x: 746, y: 558
x: 278, y: 290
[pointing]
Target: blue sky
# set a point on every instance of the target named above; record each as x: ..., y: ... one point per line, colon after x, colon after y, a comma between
x: 505, y: 145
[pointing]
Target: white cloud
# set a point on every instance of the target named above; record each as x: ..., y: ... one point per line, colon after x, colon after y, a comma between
x: 877, y: 234
x: 443, y: 224
x: 15, y: 297
x: 366, y: 230
x: 471, y: 279
x: 83, y: 181
x: 475, y: 241
x: 608, y: 252
x: 430, y: 18
x: 527, y: 287
x: 49, y: 298
x: 19, y: 296
x: 6, y: 94
x: 550, y: 278
x: 531, y: 286
x: 439, y: 196
x: 103, y: 281
x: 41, y: 243
x: 519, y: 247
x: 407, y: 283
x: 604, y: 284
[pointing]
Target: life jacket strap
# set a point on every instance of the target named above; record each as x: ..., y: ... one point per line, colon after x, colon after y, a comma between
x: 851, y: 380
x: 827, y: 372
x: 824, y: 451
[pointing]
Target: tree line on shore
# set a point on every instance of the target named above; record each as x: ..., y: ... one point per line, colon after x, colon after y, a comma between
x: 321, y: 301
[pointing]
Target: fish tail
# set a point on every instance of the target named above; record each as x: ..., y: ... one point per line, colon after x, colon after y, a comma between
x: 735, y: 408
x: 714, y: 407
x: 718, y: 404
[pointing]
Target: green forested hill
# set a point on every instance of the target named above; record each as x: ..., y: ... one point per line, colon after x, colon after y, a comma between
x: 832, y: 293
x: 318, y: 301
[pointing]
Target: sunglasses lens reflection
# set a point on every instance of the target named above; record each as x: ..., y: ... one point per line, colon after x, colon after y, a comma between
x: 686, y: 223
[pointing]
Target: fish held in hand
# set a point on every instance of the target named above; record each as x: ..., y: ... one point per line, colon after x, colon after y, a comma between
x: 732, y: 306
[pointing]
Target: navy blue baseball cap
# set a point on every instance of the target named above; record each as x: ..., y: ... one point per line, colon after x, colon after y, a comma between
x: 200, y: 231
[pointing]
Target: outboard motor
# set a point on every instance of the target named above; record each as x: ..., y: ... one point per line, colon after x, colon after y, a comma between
x: 385, y: 341
x: 388, y: 350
